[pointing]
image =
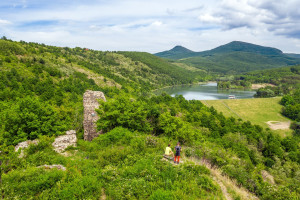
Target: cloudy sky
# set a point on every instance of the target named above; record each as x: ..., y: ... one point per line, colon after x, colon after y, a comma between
x: 152, y: 25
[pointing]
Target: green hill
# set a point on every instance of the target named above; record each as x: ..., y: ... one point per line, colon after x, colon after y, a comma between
x: 177, y: 52
x: 55, y: 78
x: 234, y: 57
x: 237, y: 46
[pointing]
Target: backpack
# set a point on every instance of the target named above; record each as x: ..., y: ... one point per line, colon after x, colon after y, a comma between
x: 177, y: 148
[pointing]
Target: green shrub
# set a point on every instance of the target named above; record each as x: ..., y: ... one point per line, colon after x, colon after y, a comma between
x: 188, y: 152
x: 8, y: 47
x: 118, y: 135
x: 162, y: 195
x: 30, y: 182
x: 197, y: 169
x: 206, y: 183
x: 44, y: 142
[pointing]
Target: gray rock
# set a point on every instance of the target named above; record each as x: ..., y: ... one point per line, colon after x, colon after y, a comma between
x: 25, y: 144
x: 59, y: 167
x: 59, y: 145
x: 64, y: 141
x: 90, y: 103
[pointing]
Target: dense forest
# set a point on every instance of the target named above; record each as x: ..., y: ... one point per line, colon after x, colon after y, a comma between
x: 41, y: 97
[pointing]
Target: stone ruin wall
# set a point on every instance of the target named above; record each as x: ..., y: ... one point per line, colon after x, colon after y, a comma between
x: 90, y: 103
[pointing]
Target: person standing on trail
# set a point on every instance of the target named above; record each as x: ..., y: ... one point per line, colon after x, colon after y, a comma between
x: 169, y: 151
x: 177, y: 153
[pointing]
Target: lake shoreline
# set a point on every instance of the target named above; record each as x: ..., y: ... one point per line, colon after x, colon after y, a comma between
x: 204, y: 91
x: 199, y: 83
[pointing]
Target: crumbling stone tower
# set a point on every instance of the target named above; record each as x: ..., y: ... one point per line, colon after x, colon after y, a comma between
x: 90, y: 103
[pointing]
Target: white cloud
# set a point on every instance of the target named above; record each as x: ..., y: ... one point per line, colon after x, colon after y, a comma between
x: 153, y: 25
x: 207, y: 18
x: 4, y: 22
x: 157, y: 23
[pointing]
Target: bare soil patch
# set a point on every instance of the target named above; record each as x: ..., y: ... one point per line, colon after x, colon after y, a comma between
x: 257, y: 86
x: 276, y: 125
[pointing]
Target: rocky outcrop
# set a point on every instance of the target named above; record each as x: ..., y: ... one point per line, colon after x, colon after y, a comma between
x: 90, y: 103
x: 64, y: 141
x: 25, y: 144
x: 59, y: 145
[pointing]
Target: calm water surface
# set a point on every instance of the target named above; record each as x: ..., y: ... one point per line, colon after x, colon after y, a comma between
x: 207, y: 91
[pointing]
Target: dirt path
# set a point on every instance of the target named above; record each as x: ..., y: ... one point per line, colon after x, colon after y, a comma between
x: 103, y: 196
x: 227, y: 185
x: 223, y: 188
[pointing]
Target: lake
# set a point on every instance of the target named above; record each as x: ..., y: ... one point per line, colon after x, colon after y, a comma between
x: 207, y: 91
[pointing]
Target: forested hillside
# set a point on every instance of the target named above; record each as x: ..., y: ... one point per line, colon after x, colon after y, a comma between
x: 41, y: 97
x: 39, y: 80
x: 233, y: 58
x: 283, y: 81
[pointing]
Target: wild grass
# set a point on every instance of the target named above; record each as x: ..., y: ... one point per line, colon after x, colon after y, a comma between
x: 258, y: 111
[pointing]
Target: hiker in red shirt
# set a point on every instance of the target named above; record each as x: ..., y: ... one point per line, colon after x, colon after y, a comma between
x: 177, y: 153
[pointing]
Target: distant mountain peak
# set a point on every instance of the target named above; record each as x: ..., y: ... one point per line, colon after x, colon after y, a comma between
x: 246, y: 47
x: 177, y: 51
x: 180, y: 48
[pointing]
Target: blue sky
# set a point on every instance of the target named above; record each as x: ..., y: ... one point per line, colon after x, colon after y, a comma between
x: 152, y: 25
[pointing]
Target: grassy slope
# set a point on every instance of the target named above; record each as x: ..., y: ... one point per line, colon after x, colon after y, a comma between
x: 119, y: 164
x: 113, y: 69
x: 257, y: 111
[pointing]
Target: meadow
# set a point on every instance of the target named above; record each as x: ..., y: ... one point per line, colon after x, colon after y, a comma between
x: 258, y: 111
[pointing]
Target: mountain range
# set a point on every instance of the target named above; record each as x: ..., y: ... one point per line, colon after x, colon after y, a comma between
x: 234, y: 57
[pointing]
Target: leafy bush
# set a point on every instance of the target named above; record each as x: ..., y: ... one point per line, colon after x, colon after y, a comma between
x: 161, y: 195
x: 30, y: 182
x: 8, y: 47
x: 118, y: 135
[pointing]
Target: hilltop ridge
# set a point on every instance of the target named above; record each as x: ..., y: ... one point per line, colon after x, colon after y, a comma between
x: 231, y: 58
x: 236, y: 46
x: 177, y: 52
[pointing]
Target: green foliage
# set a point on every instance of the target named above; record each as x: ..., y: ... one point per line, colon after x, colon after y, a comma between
x: 33, y: 181
x: 118, y: 135
x: 287, y: 100
x: 9, y: 48
x: 162, y: 195
x: 238, y: 143
x: 233, y: 84
x: 291, y: 108
x: 41, y: 86
x: 161, y: 66
x: 285, y: 79
x: 28, y: 119
x: 264, y: 93
x: 123, y: 111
